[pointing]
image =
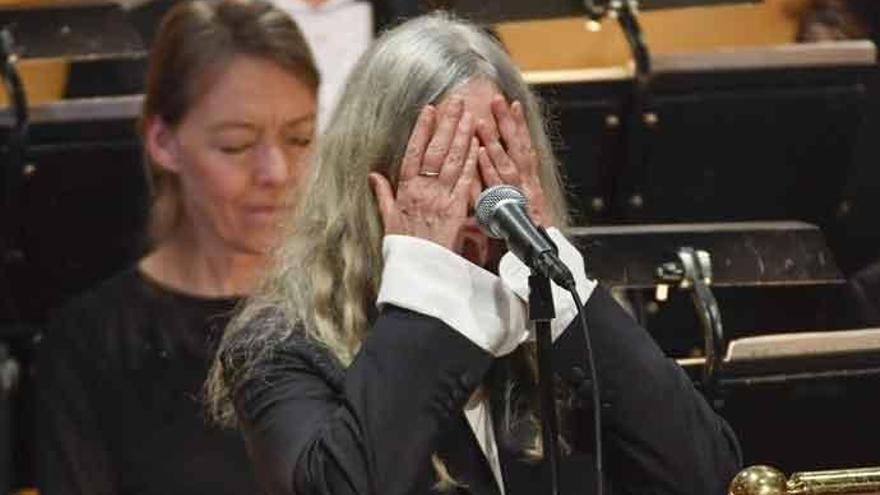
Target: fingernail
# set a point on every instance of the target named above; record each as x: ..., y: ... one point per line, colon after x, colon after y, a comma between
x: 517, y: 107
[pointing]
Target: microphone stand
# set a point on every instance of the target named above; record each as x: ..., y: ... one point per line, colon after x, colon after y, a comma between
x: 541, y: 312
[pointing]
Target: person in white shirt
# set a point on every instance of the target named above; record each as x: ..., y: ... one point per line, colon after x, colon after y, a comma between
x: 338, y: 31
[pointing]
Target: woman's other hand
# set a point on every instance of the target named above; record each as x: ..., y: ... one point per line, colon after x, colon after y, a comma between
x: 510, y: 158
x: 436, y: 176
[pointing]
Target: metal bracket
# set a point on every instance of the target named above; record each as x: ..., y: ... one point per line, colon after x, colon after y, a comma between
x: 693, y: 271
x: 625, y: 12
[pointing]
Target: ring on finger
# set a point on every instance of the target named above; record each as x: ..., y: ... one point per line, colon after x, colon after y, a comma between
x: 428, y: 173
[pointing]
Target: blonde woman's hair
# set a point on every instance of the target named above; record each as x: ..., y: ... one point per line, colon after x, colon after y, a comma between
x: 328, y: 270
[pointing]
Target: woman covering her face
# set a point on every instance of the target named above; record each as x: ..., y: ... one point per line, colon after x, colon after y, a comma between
x: 227, y: 127
x: 388, y: 351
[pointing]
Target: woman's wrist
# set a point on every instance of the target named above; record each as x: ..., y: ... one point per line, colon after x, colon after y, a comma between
x: 421, y: 276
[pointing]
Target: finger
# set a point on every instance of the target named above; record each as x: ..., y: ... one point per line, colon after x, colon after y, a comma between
x: 418, y: 141
x: 519, y: 118
x: 523, y: 146
x: 487, y: 169
x: 486, y: 132
x: 458, y: 151
x: 476, y: 188
x: 446, y: 127
x: 469, y: 170
x: 503, y: 165
x: 504, y: 119
x: 384, y: 199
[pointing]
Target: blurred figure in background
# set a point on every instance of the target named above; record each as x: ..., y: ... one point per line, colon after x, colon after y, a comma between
x: 829, y: 20
x: 227, y: 125
x: 832, y: 20
x: 338, y: 31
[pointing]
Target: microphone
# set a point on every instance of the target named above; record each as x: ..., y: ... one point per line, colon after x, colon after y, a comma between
x: 501, y: 214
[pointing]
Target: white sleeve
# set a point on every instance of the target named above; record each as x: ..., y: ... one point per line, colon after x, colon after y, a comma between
x: 427, y: 278
x: 515, y: 275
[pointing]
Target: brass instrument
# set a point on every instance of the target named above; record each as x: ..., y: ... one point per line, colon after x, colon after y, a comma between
x: 765, y: 480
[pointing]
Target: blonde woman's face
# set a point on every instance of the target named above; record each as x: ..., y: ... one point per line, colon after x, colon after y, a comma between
x: 241, y: 150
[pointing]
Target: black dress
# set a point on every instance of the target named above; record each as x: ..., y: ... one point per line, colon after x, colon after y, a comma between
x: 313, y: 427
x: 119, y: 384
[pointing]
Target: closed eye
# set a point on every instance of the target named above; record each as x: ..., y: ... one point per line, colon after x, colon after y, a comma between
x: 235, y: 149
x: 299, y: 141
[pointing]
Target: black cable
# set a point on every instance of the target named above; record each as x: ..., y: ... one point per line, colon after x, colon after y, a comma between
x: 594, y: 389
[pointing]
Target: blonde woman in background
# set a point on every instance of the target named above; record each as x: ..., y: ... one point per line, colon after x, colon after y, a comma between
x: 388, y: 353
x: 227, y: 125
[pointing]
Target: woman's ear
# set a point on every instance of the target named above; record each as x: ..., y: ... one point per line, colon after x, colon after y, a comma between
x: 160, y: 144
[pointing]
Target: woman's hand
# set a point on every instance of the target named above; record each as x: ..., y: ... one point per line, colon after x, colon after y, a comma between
x: 436, y: 175
x: 514, y: 162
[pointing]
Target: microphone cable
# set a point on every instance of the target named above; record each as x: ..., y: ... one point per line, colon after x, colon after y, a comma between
x: 594, y: 389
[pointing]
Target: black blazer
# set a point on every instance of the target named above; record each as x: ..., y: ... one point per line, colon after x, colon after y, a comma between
x: 313, y: 427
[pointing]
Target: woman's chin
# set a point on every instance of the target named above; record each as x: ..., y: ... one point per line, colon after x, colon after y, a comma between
x: 474, y: 250
x: 473, y: 245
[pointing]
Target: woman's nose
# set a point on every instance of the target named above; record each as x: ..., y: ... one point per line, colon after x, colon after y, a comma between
x: 272, y: 167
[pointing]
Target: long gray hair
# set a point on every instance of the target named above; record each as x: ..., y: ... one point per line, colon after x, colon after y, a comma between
x: 328, y: 270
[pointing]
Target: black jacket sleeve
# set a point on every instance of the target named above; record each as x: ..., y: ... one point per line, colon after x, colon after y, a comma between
x: 660, y: 435
x: 370, y: 430
x: 312, y: 429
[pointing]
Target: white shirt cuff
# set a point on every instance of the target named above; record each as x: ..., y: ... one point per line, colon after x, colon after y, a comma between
x: 515, y: 275
x: 427, y: 278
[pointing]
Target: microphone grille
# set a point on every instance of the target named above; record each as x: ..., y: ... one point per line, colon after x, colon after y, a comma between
x: 488, y: 202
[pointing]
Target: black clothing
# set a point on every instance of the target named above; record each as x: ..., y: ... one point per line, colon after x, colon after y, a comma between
x: 865, y: 289
x: 119, y: 384
x: 389, y: 13
x: 313, y: 427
